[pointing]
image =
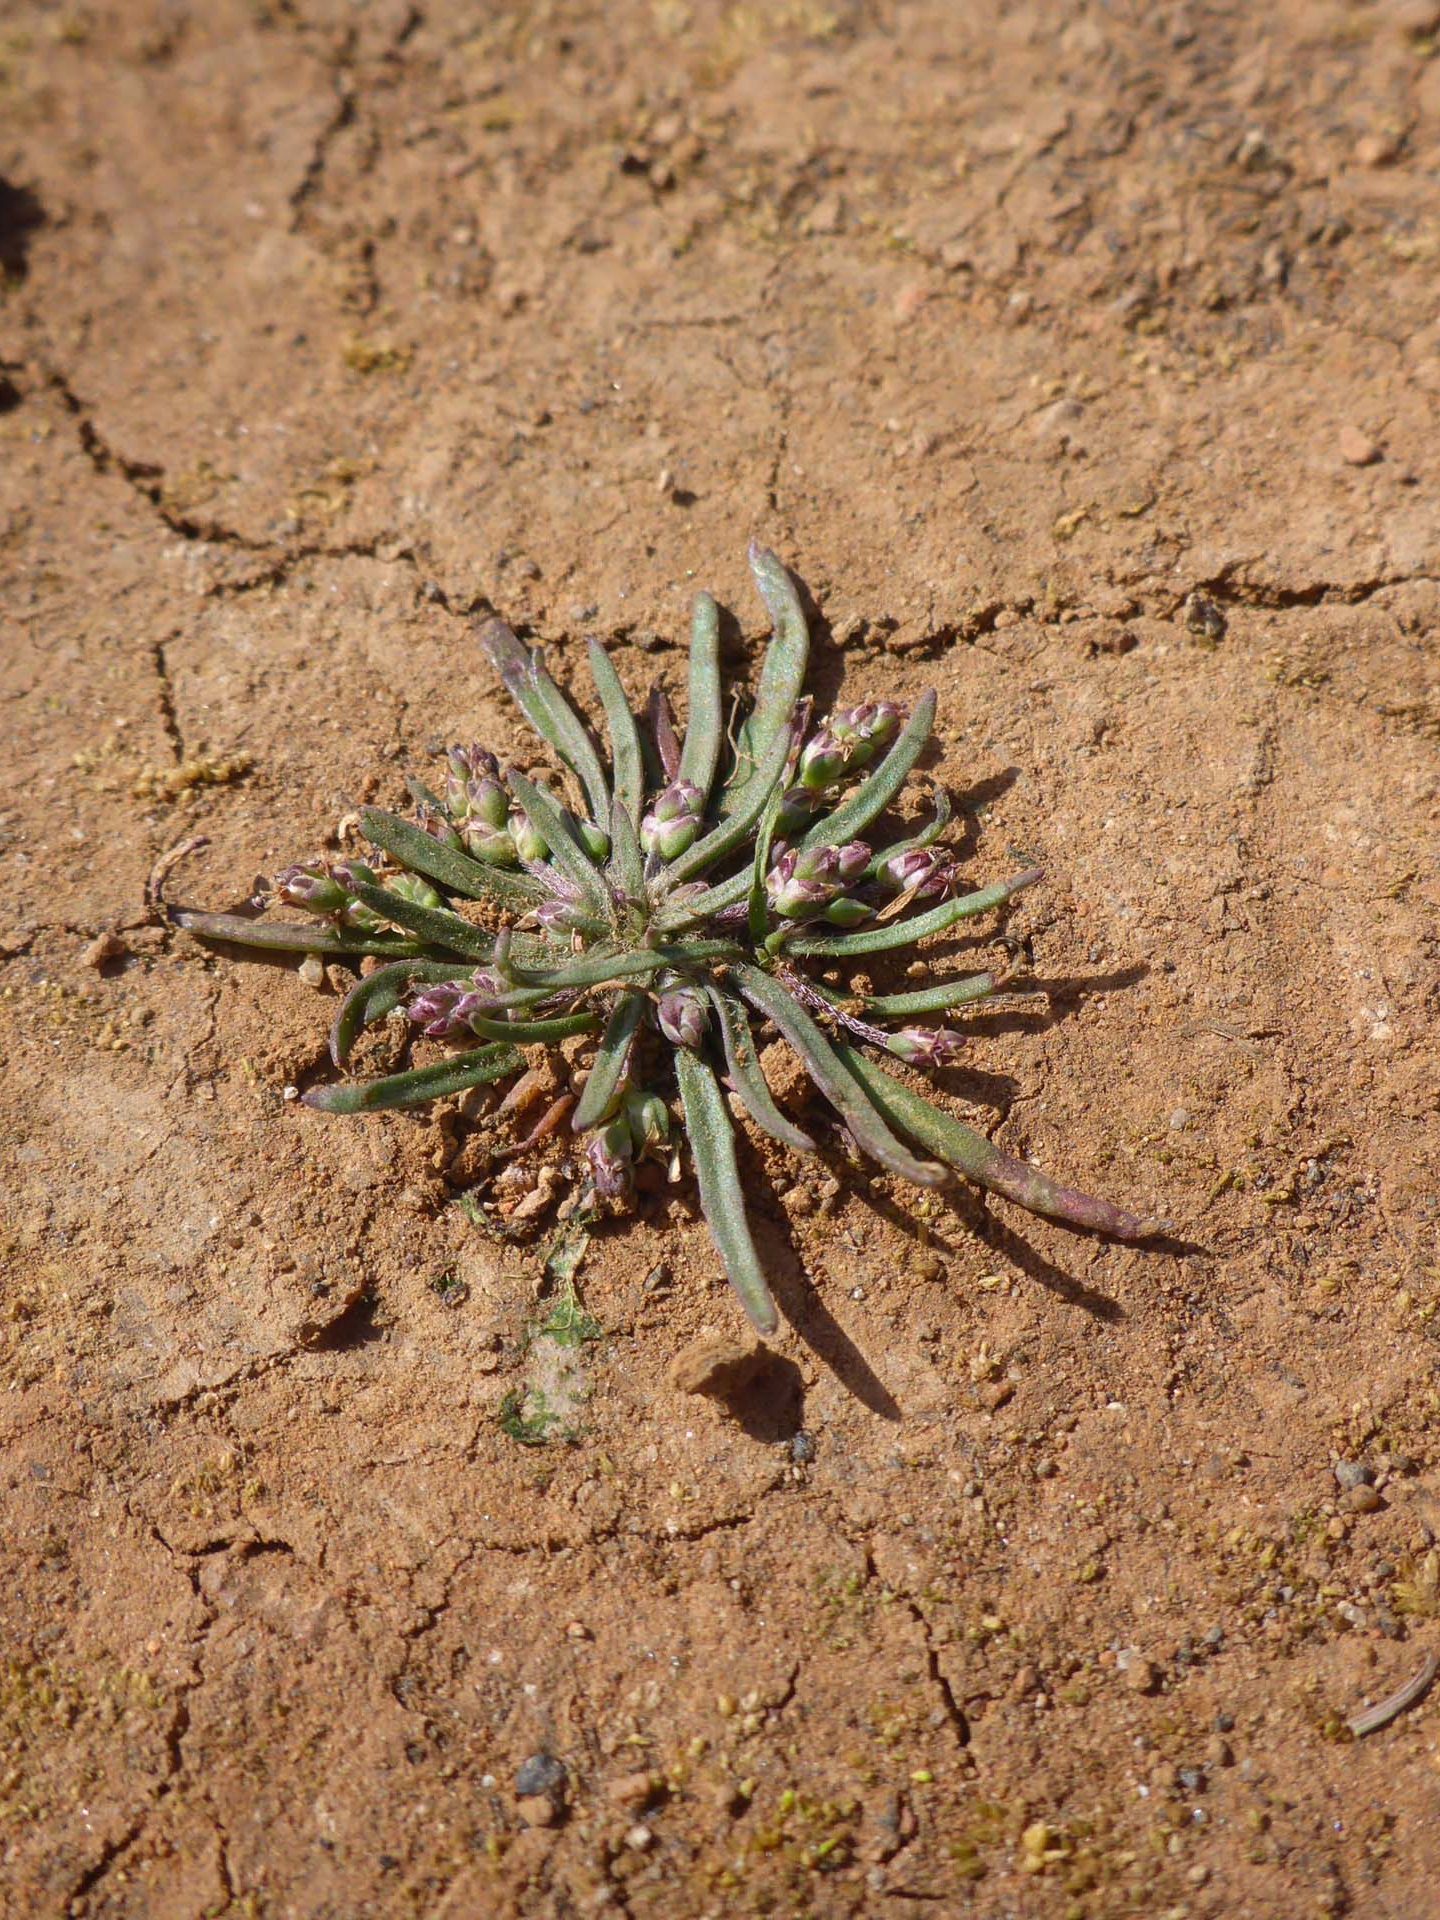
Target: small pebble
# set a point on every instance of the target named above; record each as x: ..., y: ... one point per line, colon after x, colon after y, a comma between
x: 1354, y: 1473
x: 639, y: 1837
x: 1376, y: 150
x: 541, y: 1773
x: 1191, y: 1779
x: 104, y: 950
x: 1218, y: 1752
x: 1142, y: 1676
x: 715, y: 1364
x: 631, y: 1789
x: 1357, y: 449
x: 537, y: 1810
x: 802, y: 1449
x: 1362, y: 1500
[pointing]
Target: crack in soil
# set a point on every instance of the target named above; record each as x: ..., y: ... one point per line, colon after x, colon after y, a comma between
x: 168, y: 717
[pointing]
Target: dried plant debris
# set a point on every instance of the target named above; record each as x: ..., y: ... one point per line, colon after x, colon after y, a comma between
x: 665, y: 899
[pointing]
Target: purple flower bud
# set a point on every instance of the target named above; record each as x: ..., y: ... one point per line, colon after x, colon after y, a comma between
x: 803, y: 883
x: 595, y: 840
x: 350, y: 873
x: 927, y: 871
x: 926, y: 1046
x: 494, y: 845
x: 470, y: 769
x: 863, y: 730
x: 823, y: 761
x: 559, y: 916
x: 673, y: 820
x: 852, y: 861
x: 793, y: 892
x: 439, y: 828
x: 683, y: 1017
x: 312, y: 887
x: 797, y: 810
x: 529, y: 845
x: 443, y: 1010
x: 648, y: 1119
x: 487, y: 801
x: 611, y: 1158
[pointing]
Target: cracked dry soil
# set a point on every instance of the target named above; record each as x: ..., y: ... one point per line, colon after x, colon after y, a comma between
x: 1084, y: 362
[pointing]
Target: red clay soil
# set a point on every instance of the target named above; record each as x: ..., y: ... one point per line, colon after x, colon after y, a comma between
x: 1084, y: 363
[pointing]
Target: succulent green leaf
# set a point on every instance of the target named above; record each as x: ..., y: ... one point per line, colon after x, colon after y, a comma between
x: 625, y: 750
x: 927, y: 836
x: 840, y: 1088
x: 722, y: 1198
x: 283, y: 936
x: 611, y: 1059
x: 973, y: 1155
x: 705, y: 729
x: 743, y: 1065
x: 759, y: 913
x: 380, y: 993
x: 936, y: 999
x: 903, y: 933
x: 732, y: 831
x: 627, y: 862
x: 422, y: 795
x: 542, y: 1032
x: 447, y: 866
x: 421, y: 1084
x: 436, y: 926
x: 782, y: 677
x: 548, y: 711
x: 556, y: 827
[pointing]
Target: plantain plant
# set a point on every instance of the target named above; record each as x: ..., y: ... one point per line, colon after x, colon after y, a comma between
x: 670, y: 900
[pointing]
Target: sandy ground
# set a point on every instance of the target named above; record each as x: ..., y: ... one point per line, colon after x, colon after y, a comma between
x: 1084, y: 362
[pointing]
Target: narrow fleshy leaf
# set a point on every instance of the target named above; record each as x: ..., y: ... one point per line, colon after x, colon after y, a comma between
x: 759, y: 916
x: 447, y: 866
x: 380, y: 993
x: 627, y: 862
x: 548, y: 710
x: 743, y: 1064
x: 556, y: 827
x: 927, y: 836
x: 424, y: 796
x: 973, y: 1155
x: 873, y: 795
x: 722, y: 1198
x: 705, y: 730
x: 782, y: 677
x: 285, y: 936
x: 661, y: 716
x: 625, y: 753
x: 827, y: 1070
x: 421, y: 1084
x: 733, y: 830
x: 903, y: 933
x: 599, y: 969
x: 538, y: 1032
x: 949, y: 993
x: 436, y: 926
x: 611, y: 1059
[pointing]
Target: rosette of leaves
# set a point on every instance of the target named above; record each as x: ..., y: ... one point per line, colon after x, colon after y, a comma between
x: 673, y: 895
